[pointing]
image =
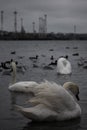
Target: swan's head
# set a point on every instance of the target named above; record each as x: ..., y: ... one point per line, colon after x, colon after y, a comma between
x: 73, y: 88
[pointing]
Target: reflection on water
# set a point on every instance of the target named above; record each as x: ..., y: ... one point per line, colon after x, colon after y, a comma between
x: 63, y: 125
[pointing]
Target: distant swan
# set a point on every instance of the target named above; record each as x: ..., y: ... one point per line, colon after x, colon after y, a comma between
x: 23, y: 86
x: 52, y: 102
x: 63, y: 66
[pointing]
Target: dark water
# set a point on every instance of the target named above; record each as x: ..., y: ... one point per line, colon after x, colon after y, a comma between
x: 34, y: 70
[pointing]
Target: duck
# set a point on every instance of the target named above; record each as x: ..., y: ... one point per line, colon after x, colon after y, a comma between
x: 4, y: 65
x: 53, y: 63
x: 13, y: 52
x: 64, y: 66
x: 5, y: 68
x: 52, y: 102
x: 21, y: 86
x: 75, y: 54
x: 32, y: 58
x: 52, y: 58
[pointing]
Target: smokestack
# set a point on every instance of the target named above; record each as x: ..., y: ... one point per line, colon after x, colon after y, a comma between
x: 33, y: 23
x: 15, y: 21
x: 45, y: 20
x: 74, y: 28
x: 2, y: 12
x: 22, y: 27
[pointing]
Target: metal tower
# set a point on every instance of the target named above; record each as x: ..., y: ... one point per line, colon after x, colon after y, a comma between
x: 74, y: 28
x: 22, y: 27
x: 41, y: 25
x: 40, y: 19
x: 15, y: 21
x: 2, y: 20
x: 33, y: 24
x: 45, y: 23
x: 21, y: 24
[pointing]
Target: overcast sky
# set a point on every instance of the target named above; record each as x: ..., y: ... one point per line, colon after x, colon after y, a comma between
x: 62, y: 15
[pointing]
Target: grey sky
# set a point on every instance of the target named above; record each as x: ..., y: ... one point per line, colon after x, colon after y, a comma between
x: 62, y: 15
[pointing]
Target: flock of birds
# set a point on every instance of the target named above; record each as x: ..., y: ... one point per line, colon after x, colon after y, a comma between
x: 50, y: 101
x: 63, y: 65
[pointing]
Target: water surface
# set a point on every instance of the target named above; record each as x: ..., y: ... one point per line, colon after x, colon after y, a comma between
x: 10, y: 119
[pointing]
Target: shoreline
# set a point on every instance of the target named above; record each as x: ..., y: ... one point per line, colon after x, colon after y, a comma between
x: 36, y: 36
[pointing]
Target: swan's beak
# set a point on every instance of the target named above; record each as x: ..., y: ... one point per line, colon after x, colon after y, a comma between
x: 77, y: 96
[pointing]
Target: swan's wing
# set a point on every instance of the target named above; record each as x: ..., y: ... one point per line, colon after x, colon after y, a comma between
x: 51, y: 102
x: 37, y: 113
x: 48, y: 93
x: 26, y: 86
x: 53, y: 96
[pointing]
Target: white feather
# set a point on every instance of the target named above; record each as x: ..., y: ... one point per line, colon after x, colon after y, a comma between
x: 63, y: 66
x: 51, y: 102
x: 23, y: 86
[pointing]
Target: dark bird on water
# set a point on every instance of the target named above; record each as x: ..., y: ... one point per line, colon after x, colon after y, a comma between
x: 32, y: 58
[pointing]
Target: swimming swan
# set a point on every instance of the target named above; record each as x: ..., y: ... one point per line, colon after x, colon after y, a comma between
x: 23, y: 86
x: 52, y: 102
x: 63, y: 66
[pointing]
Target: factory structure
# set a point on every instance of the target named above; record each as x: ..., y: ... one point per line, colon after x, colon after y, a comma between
x: 42, y: 24
x: 40, y: 33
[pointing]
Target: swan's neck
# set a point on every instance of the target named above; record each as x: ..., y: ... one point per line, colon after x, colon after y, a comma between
x: 14, y: 72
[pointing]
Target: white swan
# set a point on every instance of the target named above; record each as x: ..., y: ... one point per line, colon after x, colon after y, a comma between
x: 53, y: 102
x: 63, y: 66
x: 23, y: 86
